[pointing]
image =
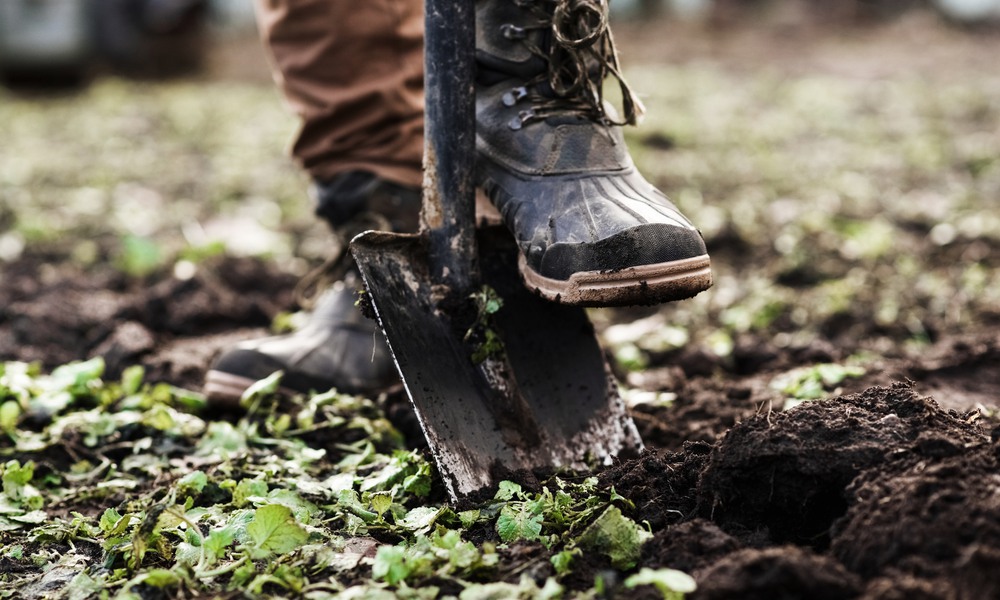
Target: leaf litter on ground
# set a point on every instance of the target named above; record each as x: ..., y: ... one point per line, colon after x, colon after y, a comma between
x: 128, y: 485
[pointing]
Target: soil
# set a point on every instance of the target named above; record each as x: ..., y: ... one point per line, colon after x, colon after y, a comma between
x: 890, y: 489
x: 885, y: 492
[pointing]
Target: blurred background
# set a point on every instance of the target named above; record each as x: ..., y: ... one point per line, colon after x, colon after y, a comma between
x: 65, y: 40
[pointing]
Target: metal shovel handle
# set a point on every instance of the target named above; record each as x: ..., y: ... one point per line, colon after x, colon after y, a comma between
x: 450, y: 141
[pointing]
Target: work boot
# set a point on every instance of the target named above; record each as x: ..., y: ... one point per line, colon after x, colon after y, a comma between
x: 337, y: 347
x: 551, y: 156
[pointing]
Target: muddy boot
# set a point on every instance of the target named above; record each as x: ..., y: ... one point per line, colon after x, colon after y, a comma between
x: 551, y: 156
x: 337, y: 347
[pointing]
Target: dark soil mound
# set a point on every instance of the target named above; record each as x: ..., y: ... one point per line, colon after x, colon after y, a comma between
x: 689, y: 547
x: 880, y: 494
x: 784, y: 475
x: 935, y: 519
x: 782, y: 573
x: 662, y: 487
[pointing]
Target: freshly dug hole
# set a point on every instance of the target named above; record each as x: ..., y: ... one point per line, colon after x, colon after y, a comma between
x: 781, y: 477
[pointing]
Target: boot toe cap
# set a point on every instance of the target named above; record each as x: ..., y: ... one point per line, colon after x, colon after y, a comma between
x: 647, y: 244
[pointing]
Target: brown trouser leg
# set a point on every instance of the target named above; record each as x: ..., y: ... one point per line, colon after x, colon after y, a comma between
x: 353, y: 71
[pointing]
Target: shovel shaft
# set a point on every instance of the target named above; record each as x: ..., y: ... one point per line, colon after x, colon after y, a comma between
x: 450, y: 141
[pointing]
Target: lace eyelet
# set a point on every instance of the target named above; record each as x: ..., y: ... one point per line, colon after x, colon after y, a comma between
x: 513, y: 32
x: 519, y: 121
x: 514, y: 96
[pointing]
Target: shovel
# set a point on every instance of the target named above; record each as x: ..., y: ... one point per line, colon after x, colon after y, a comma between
x: 522, y: 388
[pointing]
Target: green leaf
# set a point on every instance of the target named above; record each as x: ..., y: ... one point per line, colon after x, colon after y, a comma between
x: 833, y: 374
x: 465, y: 555
x: 8, y: 525
x: 302, y: 508
x: 381, y: 501
x: 390, y: 565
x: 242, y: 575
x: 35, y: 517
x: 109, y: 519
x: 274, y: 530
x: 248, y: 488
x: 132, y: 379
x: 186, y: 399
x: 448, y: 539
x: 261, y: 389
x: 139, y: 256
x: 222, y: 438
x: 421, y: 518
x: 159, y: 417
x: 217, y: 542
x: 83, y: 586
x: 469, y: 517
x: 671, y: 583
x: 160, y: 578
x: 487, y: 301
x: 616, y: 536
x: 187, y: 554
x: 236, y: 525
x: 419, y: 483
x: 631, y: 358
x: 508, y: 490
x: 491, y: 591
x: 348, y: 500
x: 518, y: 524
x: 562, y: 562
x: 526, y: 588
x: 192, y: 482
x: 170, y: 517
x: 10, y: 412
x: 812, y: 383
x: 76, y: 377
x: 16, y: 478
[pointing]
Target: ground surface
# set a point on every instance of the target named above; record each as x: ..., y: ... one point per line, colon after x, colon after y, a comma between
x: 844, y: 181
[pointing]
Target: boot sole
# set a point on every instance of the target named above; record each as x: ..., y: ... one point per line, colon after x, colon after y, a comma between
x: 641, y: 285
x: 226, y: 389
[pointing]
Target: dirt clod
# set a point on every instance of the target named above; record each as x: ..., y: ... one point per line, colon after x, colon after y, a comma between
x: 785, y: 474
x: 935, y: 517
x: 782, y: 573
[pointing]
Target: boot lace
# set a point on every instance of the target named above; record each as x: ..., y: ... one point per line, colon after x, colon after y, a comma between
x: 340, y: 264
x: 581, y: 56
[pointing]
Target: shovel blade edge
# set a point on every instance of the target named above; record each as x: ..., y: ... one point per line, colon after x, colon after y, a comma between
x: 554, y: 366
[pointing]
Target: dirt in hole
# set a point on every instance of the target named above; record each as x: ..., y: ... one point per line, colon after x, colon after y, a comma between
x: 841, y: 498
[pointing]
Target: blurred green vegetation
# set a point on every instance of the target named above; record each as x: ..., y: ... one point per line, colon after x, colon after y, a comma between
x: 858, y: 208
x: 855, y: 208
x: 141, y: 173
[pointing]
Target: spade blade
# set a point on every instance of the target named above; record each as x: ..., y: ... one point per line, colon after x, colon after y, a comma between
x: 548, y: 401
